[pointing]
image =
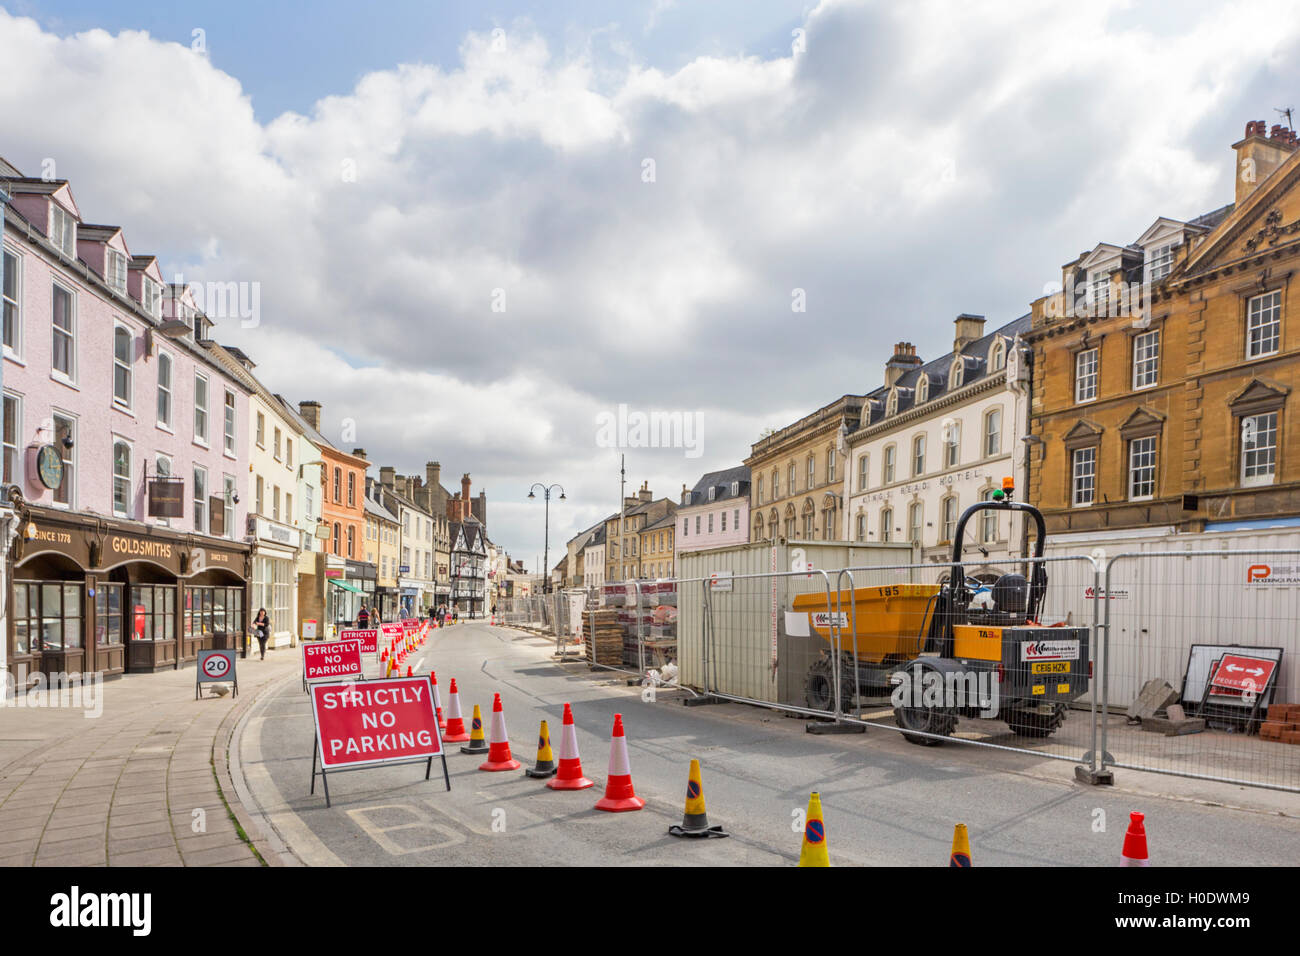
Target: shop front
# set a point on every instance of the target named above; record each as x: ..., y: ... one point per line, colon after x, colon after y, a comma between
x: 364, y: 577
x: 274, y: 580
x: 92, y: 595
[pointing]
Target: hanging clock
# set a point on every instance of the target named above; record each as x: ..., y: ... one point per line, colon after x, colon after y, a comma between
x: 49, y: 466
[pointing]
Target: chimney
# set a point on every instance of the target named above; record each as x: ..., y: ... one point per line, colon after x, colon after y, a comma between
x: 645, y: 494
x: 482, y: 507
x: 359, y: 452
x: 1258, y: 155
x: 905, y: 358
x: 464, y: 496
x: 310, y: 411
x: 433, y: 474
x: 686, y: 495
x: 386, y: 475
x: 969, y: 328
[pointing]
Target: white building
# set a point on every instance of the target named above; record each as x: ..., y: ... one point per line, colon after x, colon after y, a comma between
x: 936, y: 438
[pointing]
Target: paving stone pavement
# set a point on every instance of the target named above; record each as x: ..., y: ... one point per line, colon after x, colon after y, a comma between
x: 141, y: 784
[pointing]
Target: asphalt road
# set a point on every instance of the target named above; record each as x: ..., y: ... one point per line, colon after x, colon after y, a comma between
x: 885, y: 802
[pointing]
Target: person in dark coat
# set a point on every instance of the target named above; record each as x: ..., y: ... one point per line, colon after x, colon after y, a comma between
x: 262, y: 630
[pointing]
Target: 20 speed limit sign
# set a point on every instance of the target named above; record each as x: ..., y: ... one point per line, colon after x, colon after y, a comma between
x: 215, y: 666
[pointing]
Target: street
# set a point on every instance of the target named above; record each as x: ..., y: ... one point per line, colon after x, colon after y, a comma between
x: 885, y: 802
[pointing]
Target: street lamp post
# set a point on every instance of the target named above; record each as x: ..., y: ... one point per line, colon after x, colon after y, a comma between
x: 546, y: 545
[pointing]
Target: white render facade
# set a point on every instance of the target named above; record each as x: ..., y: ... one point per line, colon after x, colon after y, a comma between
x: 939, y: 447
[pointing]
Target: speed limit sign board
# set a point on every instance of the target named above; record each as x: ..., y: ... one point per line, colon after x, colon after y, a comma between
x: 215, y: 667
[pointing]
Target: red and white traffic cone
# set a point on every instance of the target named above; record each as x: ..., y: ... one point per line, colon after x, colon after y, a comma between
x: 499, y: 757
x: 619, y: 794
x: 570, y: 775
x: 1135, y: 842
x: 456, y: 732
x: 437, y: 702
x: 408, y: 671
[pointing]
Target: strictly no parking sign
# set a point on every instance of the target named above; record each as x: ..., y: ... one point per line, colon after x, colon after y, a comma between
x: 381, y: 721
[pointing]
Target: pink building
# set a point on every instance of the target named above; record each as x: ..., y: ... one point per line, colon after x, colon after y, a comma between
x: 715, y: 512
x: 123, y: 452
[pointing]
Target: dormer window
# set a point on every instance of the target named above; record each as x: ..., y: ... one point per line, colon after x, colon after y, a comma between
x: 998, y: 356
x: 151, y: 297
x: 713, y: 492
x: 116, y: 269
x: 891, y: 404
x: 735, y: 489
x: 954, y: 373
x: 1099, y: 293
x: 63, y: 230
x: 923, y: 389
x: 1160, y: 261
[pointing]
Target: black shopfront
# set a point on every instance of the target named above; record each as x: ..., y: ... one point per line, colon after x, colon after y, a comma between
x: 89, y: 594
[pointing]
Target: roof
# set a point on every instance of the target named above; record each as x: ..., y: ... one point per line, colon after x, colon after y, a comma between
x: 722, y: 480
x: 667, y: 521
x: 379, y: 511
x: 974, y: 355
x: 1211, y: 219
x: 598, y: 538
x: 312, y: 434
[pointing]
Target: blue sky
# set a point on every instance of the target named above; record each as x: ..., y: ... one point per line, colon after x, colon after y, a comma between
x: 286, y: 60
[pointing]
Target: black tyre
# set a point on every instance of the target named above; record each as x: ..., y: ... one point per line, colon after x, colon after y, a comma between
x: 925, y: 720
x: 1033, y: 724
x: 819, y: 687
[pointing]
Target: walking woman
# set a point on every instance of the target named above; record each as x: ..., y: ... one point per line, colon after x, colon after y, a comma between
x: 262, y: 629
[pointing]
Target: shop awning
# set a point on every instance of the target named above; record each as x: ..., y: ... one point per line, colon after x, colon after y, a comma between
x: 345, y: 586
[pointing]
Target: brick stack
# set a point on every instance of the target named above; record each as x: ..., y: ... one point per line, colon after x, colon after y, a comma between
x: 1282, y: 725
x: 603, y: 636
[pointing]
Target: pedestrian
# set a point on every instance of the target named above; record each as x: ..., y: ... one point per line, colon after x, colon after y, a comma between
x: 363, y: 617
x: 375, y: 620
x: 262, y: 629
x: 455, y: 615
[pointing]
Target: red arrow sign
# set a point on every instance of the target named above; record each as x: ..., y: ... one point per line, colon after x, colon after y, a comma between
x: 1238, y: 673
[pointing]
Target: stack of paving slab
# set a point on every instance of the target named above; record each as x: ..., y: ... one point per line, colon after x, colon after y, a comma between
x: 602, y: 636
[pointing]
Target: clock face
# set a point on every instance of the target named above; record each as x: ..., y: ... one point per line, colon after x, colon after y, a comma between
x: 49, y: 466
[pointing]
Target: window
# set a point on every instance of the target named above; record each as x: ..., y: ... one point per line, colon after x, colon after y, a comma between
x: 776, y: 484
x: 338, y: 490
x: 685, y: 527
x: 162, y: 466
x: 887, y: 525
x: 352, y: 488
x: 1258, y: 449
x: 65, y: 433
x: 862, y: 527
x: 724, y: 525
x: 998, y: 360
x: 116, y: 269
x: 758, y: 491
x: 923, y: 389
x: 1084, y: 477
x: 812, y: 472
x: 862, y: 472
x: 11, y: 299
x: 949, y: 518
x: 735, y: 521
x: 259, y: 498
x: 275, y: 445
x: 336, y: 537
x: 918, y: 455
x: 1146, y: 359
x: 164, y: 390
x: 200, y: 409
x: 64, y: 330
x: 151, y: 297
x: 288, y: 451
x: 261, y: 430
x: 830, y: 465
x: 1085, y: 375
x: 915, y: 514
x: 809, y: 529
x: 1160, y: 261
x: 47, y: 616
x: 350, y: 529
x: 697, y: 524
x: 989, y: 521
x: 12, y: 427
x: 1099, y: 293
x: 891, y: 403
x: 200, y: 499
x: 122, y: 366
x: 791, y: 482
x: 955, y: 372
x: 228, y: 503
x: 952, y: 444
x: 108, y: 613
x: 63, y: 231
x: 710, y: 522
x: 1263, y: 324
x: 993, y: 432
x: 891, y: 453
x: 1142, y: 468
x: 307, y: 502
x: 230, y: 423
x: 122, y: 479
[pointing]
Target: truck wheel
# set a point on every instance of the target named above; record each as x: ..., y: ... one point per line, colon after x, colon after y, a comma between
x: 1031, y: 724
x: 927, y: 720
x: 819, y: 687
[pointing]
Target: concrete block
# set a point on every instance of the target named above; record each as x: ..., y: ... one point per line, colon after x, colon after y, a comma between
x: 1155, y: 695
x: 1173, y: 728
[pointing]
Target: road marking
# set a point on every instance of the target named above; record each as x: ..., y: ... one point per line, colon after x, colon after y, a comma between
x: 380, y: 833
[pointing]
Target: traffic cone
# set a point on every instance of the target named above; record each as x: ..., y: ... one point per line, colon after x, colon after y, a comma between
x: 499, y: 757
x: 619, y: 795
x: 1135, y: 842
x: 960, y: 855
x: 437, y: 702
x: 695, y: 821
x: 545, y: 759
x: 476, y: 745
x: 570, y: 775
x: 392, y: 667
x: 813, y: 852
x: 383, y: 657
x: 408, y: 671
x: 455, y: 722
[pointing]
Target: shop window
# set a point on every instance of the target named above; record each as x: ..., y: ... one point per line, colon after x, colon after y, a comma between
x: 151, y: 615
x: 108, y: 614
x: 47, y: 616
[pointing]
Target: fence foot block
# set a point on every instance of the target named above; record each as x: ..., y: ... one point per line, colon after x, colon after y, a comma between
x: 699, y: 701
x: 1094, y: 778
x: 819, y: 728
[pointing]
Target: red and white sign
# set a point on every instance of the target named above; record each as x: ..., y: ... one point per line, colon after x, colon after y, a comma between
x: 368, y: 638
x: 1240, y: 674
x: 333, y: 660
x: 409, y: 624
x: 391, y: 632
x: 375, y: 722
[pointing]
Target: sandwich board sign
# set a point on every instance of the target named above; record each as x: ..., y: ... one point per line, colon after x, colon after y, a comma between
x: 391, y: 632
x: 331, y: 661
x: 369, y: 638
x: 379, y: 722
x: 215, y: 667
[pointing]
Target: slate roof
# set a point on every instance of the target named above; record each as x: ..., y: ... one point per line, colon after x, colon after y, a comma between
x: 721, y: 480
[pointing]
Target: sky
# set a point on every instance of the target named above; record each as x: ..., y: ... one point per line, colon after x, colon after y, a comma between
x: 479, y: 230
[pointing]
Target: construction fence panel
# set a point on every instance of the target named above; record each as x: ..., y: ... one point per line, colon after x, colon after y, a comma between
x: 1218, y: 634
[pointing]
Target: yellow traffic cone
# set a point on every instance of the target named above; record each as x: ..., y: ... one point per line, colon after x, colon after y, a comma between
x: 695, y: 821
x: 813, y: 852
x: 477, y: 742
x: 545, y: 758
x: 960, y: 847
